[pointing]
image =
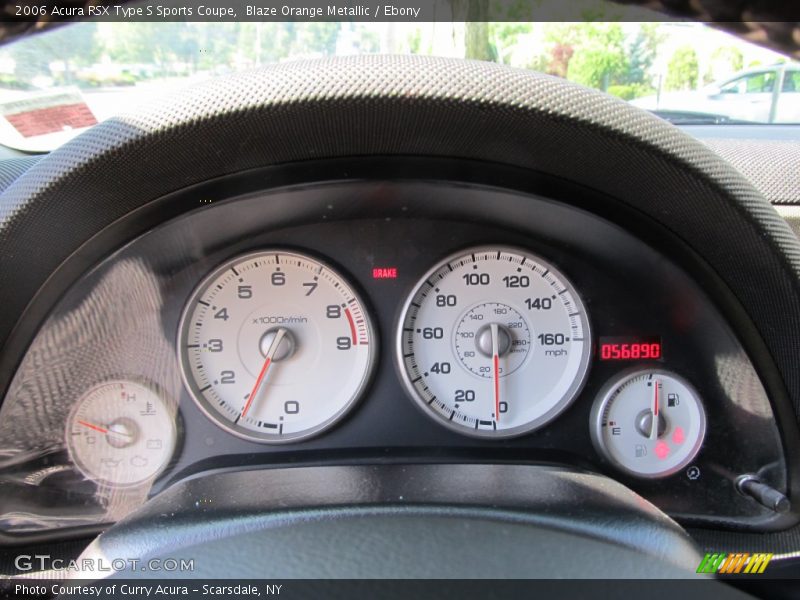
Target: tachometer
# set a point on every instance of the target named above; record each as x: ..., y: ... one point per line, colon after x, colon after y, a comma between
x: 494, y: 342
x: 276, y: 346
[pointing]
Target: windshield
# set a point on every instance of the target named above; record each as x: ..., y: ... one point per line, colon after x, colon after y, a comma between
x: 54, y: 85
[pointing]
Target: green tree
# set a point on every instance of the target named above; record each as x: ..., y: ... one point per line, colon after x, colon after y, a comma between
x: 682, y: 70
x: 642, y: 53
x: 316, y: 38
x: 599, y: 58
x: 73, y: 45
x: 506, y: 36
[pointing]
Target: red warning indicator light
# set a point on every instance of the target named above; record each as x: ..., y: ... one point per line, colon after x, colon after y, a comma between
x: 384, y: 273
x: 678, y: 436
x: 662, y: 449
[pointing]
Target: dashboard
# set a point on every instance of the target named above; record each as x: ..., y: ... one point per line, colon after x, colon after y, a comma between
x: 331, y: 288
x: 386, y: 320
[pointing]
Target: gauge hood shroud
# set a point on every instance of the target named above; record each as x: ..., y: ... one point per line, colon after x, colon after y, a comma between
x: 418, y: 106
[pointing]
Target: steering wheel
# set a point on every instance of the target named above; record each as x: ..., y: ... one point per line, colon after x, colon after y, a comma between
x: 420, y: 520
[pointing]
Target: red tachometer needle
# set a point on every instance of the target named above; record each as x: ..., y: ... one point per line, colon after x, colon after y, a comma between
x: 273, y: 347
x: 496, y: 371
x: 93, y: 426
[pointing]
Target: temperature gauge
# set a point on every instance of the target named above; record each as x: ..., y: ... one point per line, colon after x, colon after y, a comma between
x: 121, y: 434
x: 649, y: 423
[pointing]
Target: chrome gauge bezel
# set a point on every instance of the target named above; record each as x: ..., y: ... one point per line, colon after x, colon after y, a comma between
x: 572, y: 392
x: 210, y: 412
x: 604, y: 397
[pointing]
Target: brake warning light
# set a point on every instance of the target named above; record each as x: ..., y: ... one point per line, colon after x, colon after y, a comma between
x: 384, y: 273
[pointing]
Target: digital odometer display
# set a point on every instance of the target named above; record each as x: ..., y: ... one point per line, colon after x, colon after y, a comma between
x: 630, y: 348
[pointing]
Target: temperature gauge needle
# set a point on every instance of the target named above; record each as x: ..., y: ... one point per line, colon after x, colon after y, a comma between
x: 93, y: 426
x: 104, y: 430
x: 496, y: 371
x: 273, y: 348
x: 654, y: 422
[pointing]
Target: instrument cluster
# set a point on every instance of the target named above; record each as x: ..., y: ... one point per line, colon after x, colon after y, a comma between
x: 373, y: 334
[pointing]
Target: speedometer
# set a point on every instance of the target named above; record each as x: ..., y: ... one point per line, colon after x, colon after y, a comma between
x: 493, y: 342
x: 276, y: 346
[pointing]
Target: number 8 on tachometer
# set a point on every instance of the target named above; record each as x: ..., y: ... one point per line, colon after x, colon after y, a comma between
x: 493, y: 342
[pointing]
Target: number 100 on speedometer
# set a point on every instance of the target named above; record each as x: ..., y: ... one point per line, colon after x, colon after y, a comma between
x: 493, y: 342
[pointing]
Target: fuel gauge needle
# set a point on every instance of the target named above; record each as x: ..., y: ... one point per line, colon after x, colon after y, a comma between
x: 273, y: 348
x: 654, y: 421
x: 496, y: 371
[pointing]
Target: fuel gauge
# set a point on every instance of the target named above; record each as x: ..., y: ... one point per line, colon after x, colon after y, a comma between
x: 121, y: 434
x: 649, y: 423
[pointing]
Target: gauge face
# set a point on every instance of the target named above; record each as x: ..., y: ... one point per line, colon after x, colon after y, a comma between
x: 493, y: 342
x: 275, y: 346
x: 120, y: 433
x: 648, y: 423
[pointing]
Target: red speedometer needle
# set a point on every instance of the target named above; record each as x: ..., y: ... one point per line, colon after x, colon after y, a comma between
x: 496, y: 371
x: 654, y: 423
x: 93, y: 426
x: 273, y: 347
